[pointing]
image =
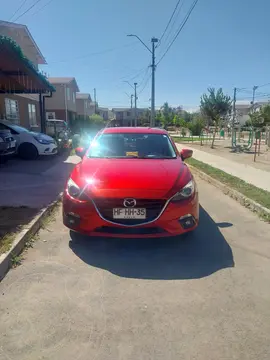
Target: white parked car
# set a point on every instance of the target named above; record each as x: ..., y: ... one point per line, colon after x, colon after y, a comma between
x: 29, y: 144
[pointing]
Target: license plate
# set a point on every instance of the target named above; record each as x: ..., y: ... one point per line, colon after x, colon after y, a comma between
x: 122, y: 213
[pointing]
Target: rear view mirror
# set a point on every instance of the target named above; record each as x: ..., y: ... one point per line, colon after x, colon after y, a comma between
x: 80, y: 151
x: 186, y: 153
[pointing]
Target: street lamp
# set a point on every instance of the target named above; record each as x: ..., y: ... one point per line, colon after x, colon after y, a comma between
x: 153, y: 40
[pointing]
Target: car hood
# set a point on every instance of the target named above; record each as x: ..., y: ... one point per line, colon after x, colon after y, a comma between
x: 144, y: 178
x: 41, y: 136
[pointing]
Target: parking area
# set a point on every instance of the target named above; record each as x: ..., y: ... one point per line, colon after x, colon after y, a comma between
x: 34, y: 183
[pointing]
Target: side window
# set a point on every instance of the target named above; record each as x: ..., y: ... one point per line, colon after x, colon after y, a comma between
x: 12, y: 110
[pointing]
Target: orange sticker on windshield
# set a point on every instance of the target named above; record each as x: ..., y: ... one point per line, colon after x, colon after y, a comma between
x: 132, y: 153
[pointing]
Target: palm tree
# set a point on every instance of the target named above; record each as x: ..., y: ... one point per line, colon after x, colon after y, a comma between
x: 216, y: 106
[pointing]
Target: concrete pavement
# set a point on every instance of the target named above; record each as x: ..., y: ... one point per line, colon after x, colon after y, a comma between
x: 251, y: 175
x: 206, y: 298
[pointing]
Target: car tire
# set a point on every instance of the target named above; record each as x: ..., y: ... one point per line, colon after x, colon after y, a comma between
x: 27, y: 151
x: 3, y: 159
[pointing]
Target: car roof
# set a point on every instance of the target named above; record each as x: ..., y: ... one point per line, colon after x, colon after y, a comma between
x: 133, y: 130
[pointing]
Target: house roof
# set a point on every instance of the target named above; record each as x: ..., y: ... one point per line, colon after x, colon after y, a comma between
x: 64, y: 80
x: 83, y: 96
x: 18, y: 75
x: 20, y: 27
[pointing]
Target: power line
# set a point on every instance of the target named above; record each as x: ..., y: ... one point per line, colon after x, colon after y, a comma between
x: 263, y: 85
x: 26, y: 11
x: 146, y: 83
x: 42, y: 7
x: 169, y: 22
x: 19, y: 8
x: 93, y: 54
x: 174, y: 22
x: 180, y: 29
x: 145, y: 75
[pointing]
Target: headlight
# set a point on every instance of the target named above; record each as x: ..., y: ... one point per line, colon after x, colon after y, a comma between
x: 73, y: 189
x: 185, y: 192
x: 42, y: 141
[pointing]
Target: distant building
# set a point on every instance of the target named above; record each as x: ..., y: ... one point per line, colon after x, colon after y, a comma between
x: 243, y: 110
x: 126, y: 116
x: 62, y: 104
x: 84, y: 105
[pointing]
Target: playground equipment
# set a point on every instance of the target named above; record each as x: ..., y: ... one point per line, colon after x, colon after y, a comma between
x: 249, y: 142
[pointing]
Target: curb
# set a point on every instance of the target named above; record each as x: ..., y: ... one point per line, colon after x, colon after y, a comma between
x: 234, y: 194
x: 23, y: 236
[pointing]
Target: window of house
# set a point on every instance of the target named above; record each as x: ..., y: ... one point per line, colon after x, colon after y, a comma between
x: 73, y: 97
x: 32, y: 115
x: 128, y: 113
x: 68, y: 93
x: 12, y: 110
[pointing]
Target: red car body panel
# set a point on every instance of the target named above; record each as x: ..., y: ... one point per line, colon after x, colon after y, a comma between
x: 110, y: 178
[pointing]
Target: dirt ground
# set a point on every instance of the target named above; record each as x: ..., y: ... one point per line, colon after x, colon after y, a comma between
x: 223, y: 148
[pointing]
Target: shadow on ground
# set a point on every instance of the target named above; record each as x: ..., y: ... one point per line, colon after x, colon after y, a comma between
x: 38, y: 166
x: 204, y: 253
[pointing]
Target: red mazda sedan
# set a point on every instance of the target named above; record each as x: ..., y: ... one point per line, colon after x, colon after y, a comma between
x: 131, y: 182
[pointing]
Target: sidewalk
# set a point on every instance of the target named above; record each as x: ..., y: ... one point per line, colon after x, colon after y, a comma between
x: 251, y: 175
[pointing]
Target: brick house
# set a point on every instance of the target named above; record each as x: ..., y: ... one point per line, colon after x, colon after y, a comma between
x: 23, y: 109
x: 62, y: 104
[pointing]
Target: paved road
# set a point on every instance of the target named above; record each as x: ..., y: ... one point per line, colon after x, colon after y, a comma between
x: 34, y: 183
x: 204, y: 299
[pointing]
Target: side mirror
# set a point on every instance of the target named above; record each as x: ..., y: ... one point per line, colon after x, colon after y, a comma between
x: 186, y: 153
x: 80, y: 151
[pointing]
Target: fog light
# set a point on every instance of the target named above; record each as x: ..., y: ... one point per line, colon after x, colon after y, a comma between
x: 73, y: 219
x: 187, y: 221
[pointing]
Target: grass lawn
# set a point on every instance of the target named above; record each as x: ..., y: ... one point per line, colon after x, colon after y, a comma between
x: 12, y: 219
x: 261, y: 196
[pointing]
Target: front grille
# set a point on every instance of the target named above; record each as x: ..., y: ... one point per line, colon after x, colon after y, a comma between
x: 130, y: 231
x: 153, y: 208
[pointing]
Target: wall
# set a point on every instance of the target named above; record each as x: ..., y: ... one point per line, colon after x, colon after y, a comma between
x: 57, y: 101
x: 19, y: 35
x: 23, y: 102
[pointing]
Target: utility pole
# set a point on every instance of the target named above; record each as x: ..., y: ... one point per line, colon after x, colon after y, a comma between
x: 131, y: 108
x: 253, y: 96
x: 153, y: 65
x: 135, y: 88
x: 95, y: 99
x: 234, y: 112
x: 152, y: 123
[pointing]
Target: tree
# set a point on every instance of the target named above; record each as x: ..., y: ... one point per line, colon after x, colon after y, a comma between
x: 259, y: 118
x: 216, y: 106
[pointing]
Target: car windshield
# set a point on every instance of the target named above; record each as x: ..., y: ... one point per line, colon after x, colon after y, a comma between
x: 132, y: 145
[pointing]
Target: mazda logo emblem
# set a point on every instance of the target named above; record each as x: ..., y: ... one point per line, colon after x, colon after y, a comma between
x: 130, y: 203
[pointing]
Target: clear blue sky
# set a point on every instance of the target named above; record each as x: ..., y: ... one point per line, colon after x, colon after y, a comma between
x: 224, y: 44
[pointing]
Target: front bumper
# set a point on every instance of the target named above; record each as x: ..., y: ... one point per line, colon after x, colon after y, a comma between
x: 50, y: 149
x: 7, y: 149
x: 177, y: 218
